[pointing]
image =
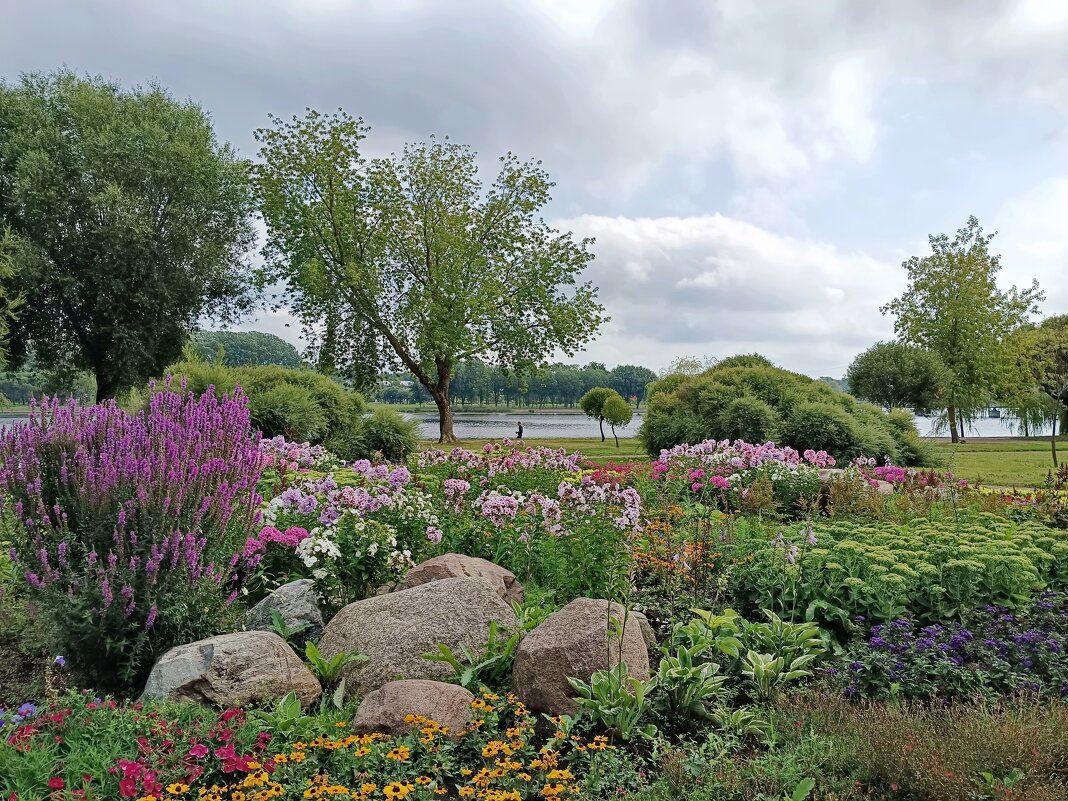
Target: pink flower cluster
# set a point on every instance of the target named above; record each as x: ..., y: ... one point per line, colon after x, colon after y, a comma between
x: 740, y: 455
x: 290, y: 538
x: 280, y: 452
x: 496, y: 460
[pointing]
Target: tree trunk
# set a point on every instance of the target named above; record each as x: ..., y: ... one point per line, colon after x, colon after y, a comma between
x: 614, y: 436
x: 1053, y: 441
x: 105, y: 388
x: 600, y: 422
x: 441, y: 399
x: 951, y: 411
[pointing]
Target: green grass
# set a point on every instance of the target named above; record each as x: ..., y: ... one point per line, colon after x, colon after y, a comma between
x: 1007, y: 462
x: 629, y: 448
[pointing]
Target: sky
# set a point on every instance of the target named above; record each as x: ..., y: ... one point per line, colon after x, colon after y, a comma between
x: 754, y: 173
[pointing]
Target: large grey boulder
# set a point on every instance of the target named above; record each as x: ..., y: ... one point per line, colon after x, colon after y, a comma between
x: 458, y: 565
x: 384, y: 710
x: 395, y: 630
x: 575, y: 642
x: 231, y: 670
x: 298, y: 604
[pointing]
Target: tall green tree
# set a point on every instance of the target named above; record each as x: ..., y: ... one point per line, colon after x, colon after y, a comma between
x: 630, y: 381
x: 243, y: 348
x: 9, y: 300
x: 954, y: 308
x: 414, y: 258
x: 893, y: 374
x: 617, y: 412
x: 593, y: 402
x: 134, y: 222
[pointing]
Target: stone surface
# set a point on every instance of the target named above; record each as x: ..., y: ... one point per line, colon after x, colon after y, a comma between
x: 457, y: 565
x: 574, y: 642
x: 298, y: 605
x: 231, y: 670
x: 383, y: 710
x: 395, y: 630
x: 646, y: 628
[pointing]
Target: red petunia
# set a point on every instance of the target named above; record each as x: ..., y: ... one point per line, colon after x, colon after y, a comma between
x: 56, y: 783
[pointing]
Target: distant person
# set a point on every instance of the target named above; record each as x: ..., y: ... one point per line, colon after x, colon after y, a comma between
x: 519, y: 431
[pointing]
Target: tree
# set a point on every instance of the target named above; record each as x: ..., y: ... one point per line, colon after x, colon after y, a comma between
x: 9, y: 303
x: 133, y: 219
x: 592, y: 403
x: 630, y: 381
x: 893, y: 374
x: 1049, y: 358
x: 242, y: 348
x: 688, y: 365
x: 417, y: 263
x: 953, y: 307
x: 617, y: 412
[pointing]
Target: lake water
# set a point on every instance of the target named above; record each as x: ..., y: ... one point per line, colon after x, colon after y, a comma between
x: 563, y: 425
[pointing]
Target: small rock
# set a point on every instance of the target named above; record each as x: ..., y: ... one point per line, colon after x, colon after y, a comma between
x: 384, y: 709
x: 457, y: 565
x: 231, y: 670
x: 574, y: 642
x: 646, y: 628
x: 298, y: 604
x: 395, y: 630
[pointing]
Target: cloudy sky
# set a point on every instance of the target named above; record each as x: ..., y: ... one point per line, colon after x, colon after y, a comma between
x: 754, y: 172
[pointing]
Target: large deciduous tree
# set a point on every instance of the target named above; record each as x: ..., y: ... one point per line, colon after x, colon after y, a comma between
x: 893, y: 374
x: 132, y: 221
x: 242, y: 348
x: 630, y: 381
x: 409, y: 258
x: 953, y: 307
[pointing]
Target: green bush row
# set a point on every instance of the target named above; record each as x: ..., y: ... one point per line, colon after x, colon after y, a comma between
x: 750, y: 399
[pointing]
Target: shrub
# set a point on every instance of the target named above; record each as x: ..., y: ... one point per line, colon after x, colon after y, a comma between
x: 385, y: 432
x: 813, y: 416
x: 301, y: 405
x: 288, y: 411
x: 750, y: 419
x: 822, y: 426
x: 130, y: 529
x: 616, y: 412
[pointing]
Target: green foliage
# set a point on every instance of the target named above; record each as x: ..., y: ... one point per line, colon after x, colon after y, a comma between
x: 9, y: 300
x: 328, y: 670
x: 686, y: 682
x: 893, y: 374
x: 283, y: 630
x: 244, y: 348
x: 383, y: 432
x: 287, y: 719
x: 302, y: 405
x: 593, y: 403
x: 289, y: 411
x: 616, y: 701
x: 954, y: 308
x: 630, y: 380
x: 616, y: 412
x: 348, y: 236
x: 750, y: 419
x: 491, y: 669
x: 759, y: 402
x: 744, y: 360
x: 132, y: 220
x: 927, y: 568
x: 823, y: 426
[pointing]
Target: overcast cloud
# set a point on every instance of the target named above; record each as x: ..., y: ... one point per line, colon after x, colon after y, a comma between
x: 754, y: 172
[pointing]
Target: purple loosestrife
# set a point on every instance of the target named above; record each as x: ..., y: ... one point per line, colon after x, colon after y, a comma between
x: 121, y: 518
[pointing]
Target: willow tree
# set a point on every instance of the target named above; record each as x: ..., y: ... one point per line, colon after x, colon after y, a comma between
x: 410, y: 259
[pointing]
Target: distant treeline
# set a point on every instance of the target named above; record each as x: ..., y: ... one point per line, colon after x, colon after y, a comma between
x: 477, y: 383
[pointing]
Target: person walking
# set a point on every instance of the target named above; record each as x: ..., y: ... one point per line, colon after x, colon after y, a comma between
x: 519, y: 431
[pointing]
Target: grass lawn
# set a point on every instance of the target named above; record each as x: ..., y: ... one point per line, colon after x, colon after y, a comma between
x: 1005, y: 462
x: 629, y: 448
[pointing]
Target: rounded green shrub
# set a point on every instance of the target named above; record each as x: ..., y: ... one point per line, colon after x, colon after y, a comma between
x: 750, y: 419
x: 290, y: 411
x: 822, y: 426
x: 384, y: 432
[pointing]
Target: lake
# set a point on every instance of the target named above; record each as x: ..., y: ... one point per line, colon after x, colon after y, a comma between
x: 567, y: 425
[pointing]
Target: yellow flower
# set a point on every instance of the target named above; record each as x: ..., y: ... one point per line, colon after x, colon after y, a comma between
x: 341, y: 724
x: 466, y: 792
x: 422, y: 780
x: 177, y: 788
x: 565, y: 774
x: 400, y: 754
x: 552, y: 790
x: 396, y: 790
x: 280, y: 759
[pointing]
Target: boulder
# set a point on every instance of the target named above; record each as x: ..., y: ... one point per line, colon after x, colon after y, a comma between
x: 384, y: 710
x: 395, y: 630
x: 231, y: 670
x: 574, y: 642
x: 457, y: 565
x: 296, y: 602
x: 646, y: 628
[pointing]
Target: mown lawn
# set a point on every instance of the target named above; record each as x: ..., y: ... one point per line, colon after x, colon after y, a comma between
x: 629, y: 448
x: 1015, y: 462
